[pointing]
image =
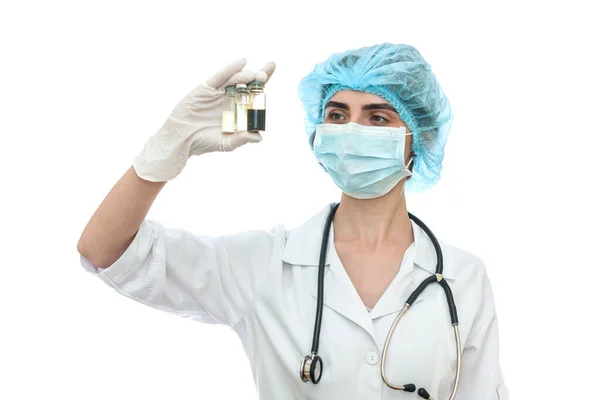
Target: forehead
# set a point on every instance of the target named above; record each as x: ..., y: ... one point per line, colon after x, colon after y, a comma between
x: 354, y: 97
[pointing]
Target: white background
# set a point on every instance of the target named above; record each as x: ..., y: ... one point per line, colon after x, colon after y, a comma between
x: 84, y: 84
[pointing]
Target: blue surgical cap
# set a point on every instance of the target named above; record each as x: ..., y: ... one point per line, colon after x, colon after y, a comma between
x: 399, y: 74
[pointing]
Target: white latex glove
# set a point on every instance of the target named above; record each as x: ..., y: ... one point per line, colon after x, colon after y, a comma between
x: 194, y: 126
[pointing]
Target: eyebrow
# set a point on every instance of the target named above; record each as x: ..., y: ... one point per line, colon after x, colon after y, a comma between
x: 377, y: 106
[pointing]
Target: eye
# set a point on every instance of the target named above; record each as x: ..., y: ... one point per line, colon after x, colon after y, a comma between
x: 379, y: 119
x: 335, y: 116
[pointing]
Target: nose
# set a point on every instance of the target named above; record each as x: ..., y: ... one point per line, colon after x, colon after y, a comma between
x: 357, y: 120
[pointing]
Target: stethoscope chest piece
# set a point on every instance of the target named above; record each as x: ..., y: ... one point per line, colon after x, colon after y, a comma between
x: 311, y: 369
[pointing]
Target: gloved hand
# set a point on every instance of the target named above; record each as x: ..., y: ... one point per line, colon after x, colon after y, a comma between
x: 194, y: 126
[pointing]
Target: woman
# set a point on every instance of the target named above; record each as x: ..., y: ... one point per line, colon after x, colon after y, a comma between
x: 377, y: 122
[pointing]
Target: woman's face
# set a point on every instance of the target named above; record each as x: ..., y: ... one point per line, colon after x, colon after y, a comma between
x: 365, y: 109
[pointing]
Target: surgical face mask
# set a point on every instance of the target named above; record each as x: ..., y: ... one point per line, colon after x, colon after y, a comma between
x: 364, y: 161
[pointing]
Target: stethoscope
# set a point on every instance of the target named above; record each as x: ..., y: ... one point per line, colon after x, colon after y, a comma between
x: 312, y: 365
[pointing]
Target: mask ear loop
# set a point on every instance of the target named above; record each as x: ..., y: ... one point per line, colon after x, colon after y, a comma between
x: 412, y: 158
x: 410, y: 164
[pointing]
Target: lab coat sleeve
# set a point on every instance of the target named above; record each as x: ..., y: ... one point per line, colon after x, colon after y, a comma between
x: 481, y: 376
x: 208, y: 279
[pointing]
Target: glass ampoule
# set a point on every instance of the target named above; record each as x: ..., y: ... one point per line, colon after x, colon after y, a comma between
x: 242, y: 98
x: 228, y: 119
x: 257, y: 107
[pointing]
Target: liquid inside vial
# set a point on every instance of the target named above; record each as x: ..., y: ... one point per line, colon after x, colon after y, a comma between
x: 228, y: 122
x: 241, y: 117
x: 256, y: 120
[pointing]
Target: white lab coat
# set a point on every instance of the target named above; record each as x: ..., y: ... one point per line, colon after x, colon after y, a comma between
x: 264, y: 285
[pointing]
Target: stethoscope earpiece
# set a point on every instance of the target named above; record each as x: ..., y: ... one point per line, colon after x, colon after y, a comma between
x: 424, y: 394
x: 409, y: 388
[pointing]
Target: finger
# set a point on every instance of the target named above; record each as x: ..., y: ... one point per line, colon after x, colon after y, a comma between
x: 268, y: 69
x: 244, y: 76
x: 240, y: 138
x: 261, y: 76
x: 226, y: 73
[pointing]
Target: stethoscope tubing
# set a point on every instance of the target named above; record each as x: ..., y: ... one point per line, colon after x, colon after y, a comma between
x: 438, y: 277
x: 321, y: 279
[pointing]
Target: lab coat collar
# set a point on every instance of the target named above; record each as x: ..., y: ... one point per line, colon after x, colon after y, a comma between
x: 303, y: 246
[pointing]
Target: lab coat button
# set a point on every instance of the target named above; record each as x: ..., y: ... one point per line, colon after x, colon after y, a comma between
x: 372, y: 358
